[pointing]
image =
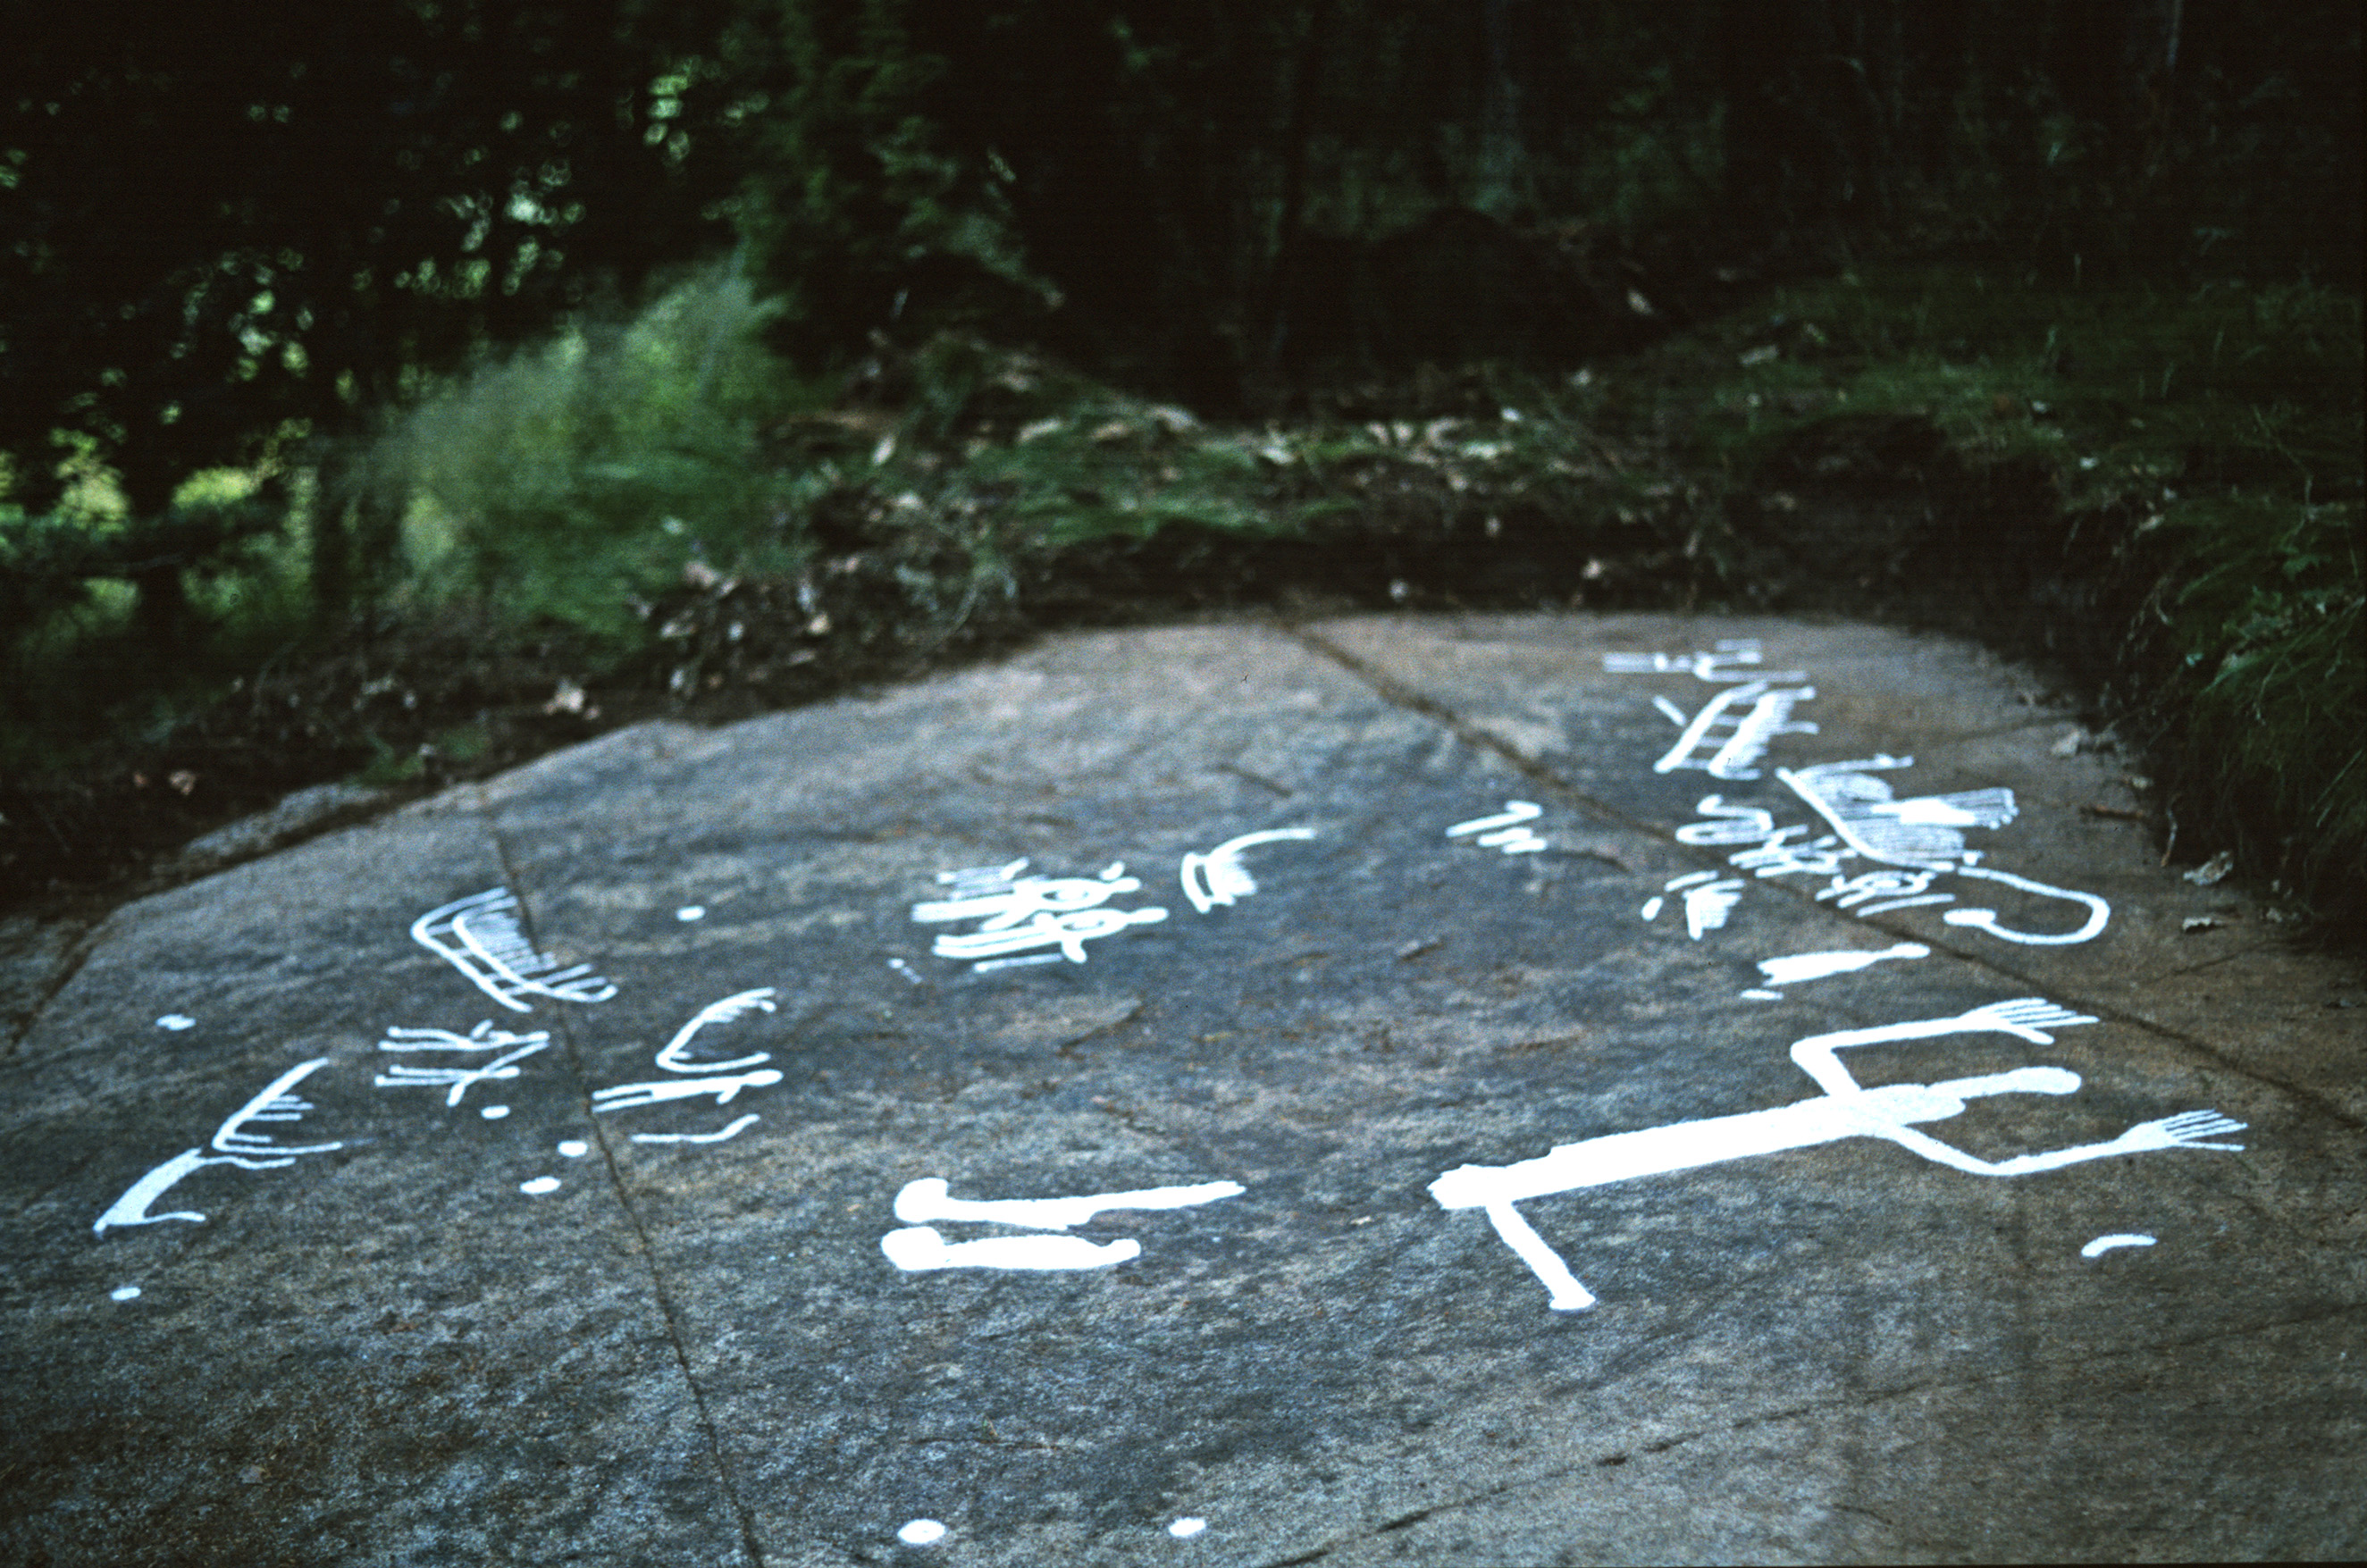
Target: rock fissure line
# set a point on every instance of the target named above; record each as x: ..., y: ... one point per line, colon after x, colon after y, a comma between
x: 1392, y: 691
x: 563, y: 1024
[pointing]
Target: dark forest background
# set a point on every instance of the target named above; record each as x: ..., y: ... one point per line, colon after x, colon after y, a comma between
x: 252, y: 246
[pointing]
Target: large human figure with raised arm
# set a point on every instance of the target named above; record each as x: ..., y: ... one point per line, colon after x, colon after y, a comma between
x: 1845, y: 1110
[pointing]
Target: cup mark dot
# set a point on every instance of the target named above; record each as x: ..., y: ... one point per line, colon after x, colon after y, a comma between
x: 1185, y: 1528
x: 574, y: 1148
x: 494, y: 1112
x: 691, y: 912
x: 922, y: 1532
x: 539, y: 1185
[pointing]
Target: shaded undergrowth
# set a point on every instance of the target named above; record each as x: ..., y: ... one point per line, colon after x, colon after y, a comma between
x: 2157, y: 491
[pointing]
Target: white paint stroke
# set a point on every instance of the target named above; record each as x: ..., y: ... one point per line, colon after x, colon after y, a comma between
x: 232, y: 1144
x: 1923, y: 833
x: 1922, y: 830
x: 479, y: 936
x: 1794, y: 968
x: 459, y: 1079
x: 1844, y: 1110
x: 972, y: 879
x: 907, y: 971
x: 574, y: 1148
x: 1515, y: 811
x: 929, y: 1199
x: 689, y: 912
x: 1670, y: 711
x: 731, y: 1132
x: 671, y: 1056
x: 725, y: 1087
x: 1219, y: 877
x: 1726, y: 824
x: 1708, y: 906
x: 1018, y: 903
x: 538, y: 1186
x: 2104, y: 1244
x: 2098, y: 910
x: 919, y: 1248
x: 484, y: 1037
x: 177, y: 1022
x: 991, y: 965
x: 124, y: 1293
x: 1652, y: 906
x: 1756, y: 995
x: 922, y: 1532
x: 1733, y: 659
x: 1067, y: 933
x: 1733, y: 729
x: 1186, y: 1527
x: 493, y: 1113
x: 1689, y: 879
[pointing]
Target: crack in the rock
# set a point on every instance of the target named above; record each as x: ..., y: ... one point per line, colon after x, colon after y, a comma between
x: 561, y: 1022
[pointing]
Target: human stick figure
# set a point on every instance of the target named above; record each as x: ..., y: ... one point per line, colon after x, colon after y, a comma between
x: 1846, y: 1109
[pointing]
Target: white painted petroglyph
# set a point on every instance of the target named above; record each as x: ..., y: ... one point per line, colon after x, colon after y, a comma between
x: 1504, y: 831
x: 725, y: 1087
x: 974, y: 881
x: 1733, y: 729
x: 232, y: 1144
x: 991, y: 965
x: 1067, y: 933
x: 1794, y: 968
x: 1924, y: 833
x: 124, y: 1293
x: 484, y: 1037
x: 1707, y: 901
x: 538, y: 1186
x: 1756, y: 995
x: 479, y: 936
x: 2099, y: 911
x: 2104, y: 1244
x: 1844, y: 1110
x: 459, y: 1079
x: 928, y: 1199
x: 732, y: 1131
x: 1017, y: 903
x: 177, y: 1022
x: 1732, y: 659
x: 574, y: 1148
x: 671, y: 1056
x: 1671, y: 711
x: 907, y: 971
x: 1018, y: 913
x: 1726, y: 824
x: 922, y: 1532
x: 493, y: 1113
x: 1219, y: 877
x: 1848, y: 893
x: 1186, y: 1527
x: 689, y: 912
x: 919, y: 1248
x: 1653, y: 906
x: 1921, y: 832
x: 1708, y: 906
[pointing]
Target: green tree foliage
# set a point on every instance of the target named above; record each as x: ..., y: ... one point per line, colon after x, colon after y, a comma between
x: 1225, y: 189
x: 213, y: 223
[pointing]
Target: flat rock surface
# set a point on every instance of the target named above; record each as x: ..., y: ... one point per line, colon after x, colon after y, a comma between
x: 1529, y: 1090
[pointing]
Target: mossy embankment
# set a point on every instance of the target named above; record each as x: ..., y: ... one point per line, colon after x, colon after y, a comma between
x: 2157, y: 491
